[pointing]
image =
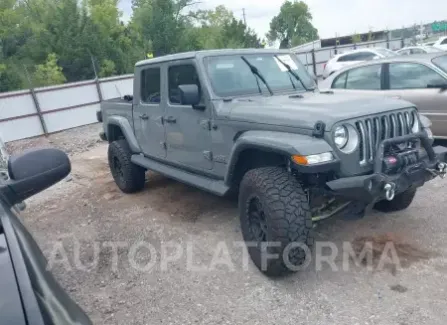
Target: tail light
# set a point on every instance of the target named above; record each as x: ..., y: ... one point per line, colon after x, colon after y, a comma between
x: 324, y: 65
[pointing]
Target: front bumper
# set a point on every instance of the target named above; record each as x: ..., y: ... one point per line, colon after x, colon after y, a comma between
x: 380, y: 185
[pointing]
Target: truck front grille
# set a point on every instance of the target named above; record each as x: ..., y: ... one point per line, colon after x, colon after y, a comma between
x: 373, y: 130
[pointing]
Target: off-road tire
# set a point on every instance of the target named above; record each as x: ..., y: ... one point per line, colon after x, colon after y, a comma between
x: 287, y: 217
x: 400, y: 202
x: 130, y: 178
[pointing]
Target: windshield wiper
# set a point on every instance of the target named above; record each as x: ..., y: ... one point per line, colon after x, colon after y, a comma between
x: 293, y: 73
x: 256, y: 72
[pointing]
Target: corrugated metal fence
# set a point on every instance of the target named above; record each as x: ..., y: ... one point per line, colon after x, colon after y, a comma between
x: 33, y: 112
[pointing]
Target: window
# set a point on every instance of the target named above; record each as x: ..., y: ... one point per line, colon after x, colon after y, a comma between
x: 417, y: 51
x: 358, y: 56
x: 405, y: 52
x: 230, y: 75
x: 340, y: 81
x: 444, y: 41
x: 413, y: 75
x: 367, y: 78
x: 150, y: 86
x: 441, y: 62
x: 185, y: 74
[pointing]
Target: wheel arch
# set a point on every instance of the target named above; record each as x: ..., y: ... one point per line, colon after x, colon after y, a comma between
x: 268, y: 148
x: 118, y: 127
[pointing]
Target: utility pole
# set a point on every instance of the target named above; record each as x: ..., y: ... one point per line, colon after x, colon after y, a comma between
x: 243, y: 14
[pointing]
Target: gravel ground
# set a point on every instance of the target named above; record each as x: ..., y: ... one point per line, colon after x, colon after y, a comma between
x: 87, y: 210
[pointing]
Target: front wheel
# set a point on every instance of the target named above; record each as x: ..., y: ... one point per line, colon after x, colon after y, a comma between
x: 276, y: 221
x: 400, y: 202
x: 129, y: 177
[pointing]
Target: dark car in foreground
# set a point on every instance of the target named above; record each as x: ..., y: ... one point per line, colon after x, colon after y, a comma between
x: 29, y: 294
x: 420, y: 79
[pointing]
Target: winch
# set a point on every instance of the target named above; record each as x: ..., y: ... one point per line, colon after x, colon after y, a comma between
x: 397, y: 161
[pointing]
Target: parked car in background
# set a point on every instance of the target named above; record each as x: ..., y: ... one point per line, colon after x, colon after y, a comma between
x: 418, y: 50
x: 353, y: 57
x: 441, y: 43
x: 420, y: 79
x: 29, y: 294
x: 428, y: 43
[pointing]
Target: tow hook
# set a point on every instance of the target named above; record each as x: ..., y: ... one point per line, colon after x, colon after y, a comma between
x: 389, y: 189
x: 442, y: 169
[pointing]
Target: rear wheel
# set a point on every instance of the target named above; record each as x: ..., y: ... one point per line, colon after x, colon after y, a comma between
x: 400, y: 202
x: 276, y: 221
x: 128, y: 176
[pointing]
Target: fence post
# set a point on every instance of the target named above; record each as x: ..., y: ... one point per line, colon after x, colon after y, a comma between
x: 314, y: 64
x: 97, y: 83
x: 388, y: 40
x: 402, y: 43
x: 36, y: 103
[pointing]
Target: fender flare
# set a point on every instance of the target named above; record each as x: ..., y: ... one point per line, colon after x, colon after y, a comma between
x: 283, y: 143
x: 126, y: 128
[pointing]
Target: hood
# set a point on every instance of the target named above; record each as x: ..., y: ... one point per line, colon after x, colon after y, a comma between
x: 305, y: 111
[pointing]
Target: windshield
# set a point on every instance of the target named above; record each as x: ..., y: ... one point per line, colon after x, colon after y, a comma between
x: 385, y: 52
x: 231, y: 76
x: 441, y: 62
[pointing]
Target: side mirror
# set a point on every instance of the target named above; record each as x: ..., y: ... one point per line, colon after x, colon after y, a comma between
x: 33, y: 172
x: 442, y: 87
x: 189, y: 94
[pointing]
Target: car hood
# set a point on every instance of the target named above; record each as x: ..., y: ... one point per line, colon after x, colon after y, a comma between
x: 304, y: 110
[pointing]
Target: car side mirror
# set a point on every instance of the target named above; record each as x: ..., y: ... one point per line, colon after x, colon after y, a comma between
x: 189, y: 94
x: 442, y: 87
x: 33, y: 172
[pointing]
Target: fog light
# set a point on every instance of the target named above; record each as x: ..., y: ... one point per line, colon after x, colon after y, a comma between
x: 313, y: 159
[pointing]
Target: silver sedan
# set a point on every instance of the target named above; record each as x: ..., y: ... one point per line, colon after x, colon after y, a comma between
x: 420, y: 79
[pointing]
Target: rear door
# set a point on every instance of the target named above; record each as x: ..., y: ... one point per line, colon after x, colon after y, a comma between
x: 417, y: 83
x: 366, y: 80
x: 148, y: 111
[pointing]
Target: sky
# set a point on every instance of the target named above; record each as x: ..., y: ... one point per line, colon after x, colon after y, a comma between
x: 333, y: 17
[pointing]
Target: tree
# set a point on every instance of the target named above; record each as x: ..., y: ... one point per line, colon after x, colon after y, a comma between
x: 356, y: 38
x: 49, y: 73
x: 292, y: 26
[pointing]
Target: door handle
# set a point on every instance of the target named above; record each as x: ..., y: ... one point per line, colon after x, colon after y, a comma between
x: 144, y: 117
x: 170, y: 119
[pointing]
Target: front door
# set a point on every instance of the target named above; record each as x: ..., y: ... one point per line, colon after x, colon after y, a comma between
x: 420, y: 85
x: 188, y: 138
x: 148, y: 111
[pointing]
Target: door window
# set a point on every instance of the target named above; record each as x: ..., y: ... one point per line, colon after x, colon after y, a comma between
x: 340, y: 82
x: 185, y: 74
x: 366, y: 78
x: 358, y: 56
x: 417, y: 51
x: 444, y: 41
x: 413, y: 75
x: 150, y: 86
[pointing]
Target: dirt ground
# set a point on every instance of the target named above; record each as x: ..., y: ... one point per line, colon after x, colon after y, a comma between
x: 87, y: 210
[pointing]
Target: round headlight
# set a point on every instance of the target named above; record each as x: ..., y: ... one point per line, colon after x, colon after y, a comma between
x: 341, y: 136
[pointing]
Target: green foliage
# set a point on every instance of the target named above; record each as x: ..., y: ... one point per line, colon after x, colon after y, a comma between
x: 107, y: 68
x: 356, y: 38
x: 292, y: 26
x: 58, y: 40
x: 49, y: 73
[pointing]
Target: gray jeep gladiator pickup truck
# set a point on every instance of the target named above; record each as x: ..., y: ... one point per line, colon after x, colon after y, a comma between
x: 253, y: 123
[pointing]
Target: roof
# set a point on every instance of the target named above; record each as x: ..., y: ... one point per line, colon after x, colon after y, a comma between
x: 408, y: 58
x: 206, y: 53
